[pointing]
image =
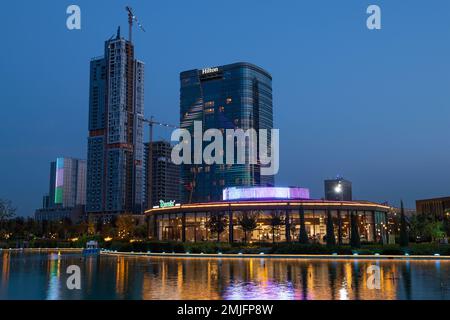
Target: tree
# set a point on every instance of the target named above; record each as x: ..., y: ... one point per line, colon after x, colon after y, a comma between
x: 404, y: 237
x: 99, y: 225
x: 303, y: 237
x: 108, y: 230
x: 435, y: 230
x: 275, y: 221
x: 125, y: 225
x: 91, y: 227
x: 217, y: 224
x: 355, y: 241
x: 331, y: 240
x: 7, y: 211
x: 140, y: 231
x: 248, y: 222
x: 417, y: 224
x: 447, y: 222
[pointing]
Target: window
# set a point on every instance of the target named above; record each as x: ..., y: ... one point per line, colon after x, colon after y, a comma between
x: 209, y: 104
x: 229, y: 100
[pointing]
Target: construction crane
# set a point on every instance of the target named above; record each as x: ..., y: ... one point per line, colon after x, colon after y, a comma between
x: 131, y: 18
x: 152, y: 123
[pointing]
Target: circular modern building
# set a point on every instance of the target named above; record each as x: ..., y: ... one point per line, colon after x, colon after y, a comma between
x: 274, y: 211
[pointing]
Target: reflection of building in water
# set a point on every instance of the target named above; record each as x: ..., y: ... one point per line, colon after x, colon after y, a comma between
x: 5, y: 270
x: 54, y: 272
x: 265, y: 279
x: 185, y: 279
x: 121, y: 276
x: 188, y: 222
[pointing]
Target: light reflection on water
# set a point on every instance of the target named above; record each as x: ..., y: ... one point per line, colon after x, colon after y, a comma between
x: 43, y: 276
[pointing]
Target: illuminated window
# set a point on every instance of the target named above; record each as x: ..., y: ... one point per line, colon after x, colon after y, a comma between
x: 229, y: 100
x: 209, y: 110
x: 209, y: 104
x: 221, y: 109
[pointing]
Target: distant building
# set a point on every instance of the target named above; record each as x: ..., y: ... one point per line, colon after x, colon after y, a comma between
x: 234, y: 96
x: 338, y: 189
x: 115, y: 142
x: 162, y: 182
x: 436, y: 207
x: 67, y: 183
x: 67, y: 190
x: 75, y: 214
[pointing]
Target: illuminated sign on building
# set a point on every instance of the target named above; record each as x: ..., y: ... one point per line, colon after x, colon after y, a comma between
x: 59, y: 183
x: 167, y: 204
x: 210, y: 70
x: 253, y: 193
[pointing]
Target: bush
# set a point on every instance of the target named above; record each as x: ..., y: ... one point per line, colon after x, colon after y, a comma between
x: 268, y: 248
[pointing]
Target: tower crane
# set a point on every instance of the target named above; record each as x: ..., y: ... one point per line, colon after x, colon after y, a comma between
x: 131, y: 18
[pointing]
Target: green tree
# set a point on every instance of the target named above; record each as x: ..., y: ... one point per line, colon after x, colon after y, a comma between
x: 217, y: 224
x: 275, y: 221
x: 303, y: 236
x: 435, y: 230
x: 248, y: 222
x: 331, y: 240
x: 404, y: 237
x: 355, y: 241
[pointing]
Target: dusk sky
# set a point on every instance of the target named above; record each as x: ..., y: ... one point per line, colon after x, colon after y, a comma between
x: 372, y: 106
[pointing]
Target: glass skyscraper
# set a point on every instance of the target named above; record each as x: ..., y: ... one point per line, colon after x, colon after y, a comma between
x: 234, y: 96
x: 115, y: 143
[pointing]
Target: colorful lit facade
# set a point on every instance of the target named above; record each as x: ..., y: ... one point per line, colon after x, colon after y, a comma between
x: 67, y: 187
x: 254, y: 193
x: 67, y: 191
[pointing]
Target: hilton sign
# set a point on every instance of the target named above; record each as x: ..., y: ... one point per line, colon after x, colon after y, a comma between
x: 210, y: 70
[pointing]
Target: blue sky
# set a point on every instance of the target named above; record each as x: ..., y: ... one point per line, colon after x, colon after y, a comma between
x: 373, y: 106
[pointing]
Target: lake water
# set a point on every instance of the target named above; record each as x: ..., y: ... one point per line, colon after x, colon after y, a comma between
x: 43, y: 276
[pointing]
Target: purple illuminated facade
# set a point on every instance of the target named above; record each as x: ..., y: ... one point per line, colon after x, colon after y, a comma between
x: 255, y: 193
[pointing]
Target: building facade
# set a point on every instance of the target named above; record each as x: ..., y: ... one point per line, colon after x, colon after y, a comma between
x: 338, y: 189
x: 162, y: 176
x: 115, y: 142
x: 67, y: 185
x: 234, y: 96
x: 189, y: 222
x: 75, y: 214
x: 67, y: 190
x: 436, y: 207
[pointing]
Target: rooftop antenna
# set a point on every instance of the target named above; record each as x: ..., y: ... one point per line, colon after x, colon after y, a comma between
x: 131, y: 18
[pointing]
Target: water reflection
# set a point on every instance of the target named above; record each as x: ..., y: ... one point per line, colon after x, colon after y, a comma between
x: 54, y: 277
x: 43, y: 276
